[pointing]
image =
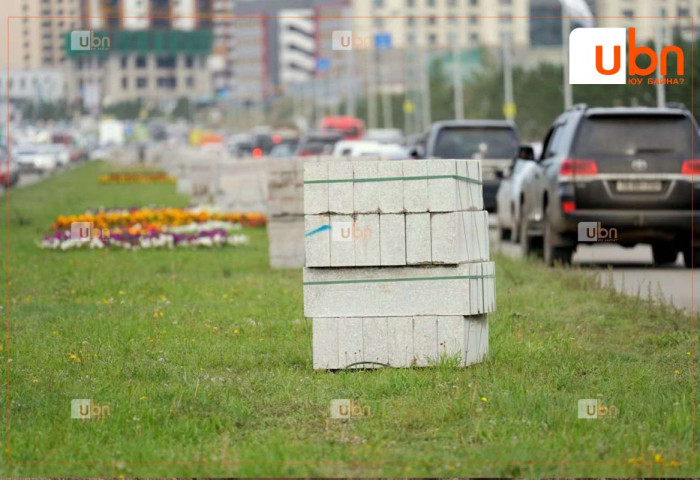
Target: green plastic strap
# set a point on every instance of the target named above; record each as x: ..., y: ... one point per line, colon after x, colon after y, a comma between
x: 386, y: 280
x: 392, y: 179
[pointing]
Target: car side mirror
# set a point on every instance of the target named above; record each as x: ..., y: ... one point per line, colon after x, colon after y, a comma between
x: 526, y: 152
x: 416, y: 151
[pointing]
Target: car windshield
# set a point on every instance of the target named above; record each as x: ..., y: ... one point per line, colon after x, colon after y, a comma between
x: 625, y: 136
x: 476, y: 142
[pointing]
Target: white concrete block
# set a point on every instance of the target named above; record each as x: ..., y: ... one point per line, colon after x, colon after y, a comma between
x: 396, y: 291
x: 418, y: 239
x: 367, y: 251
x: 476, y: 339
x: 425, y: 340
x: 400, y: 341
x: 325, y: 343
x: 471, y: 194
x: 317, y: 240
x: 350, y: 341
x: 450, y: 337
x: 443, y: 195
x: 340, y: 194
x: 375, y: 335
x: 390, y: 191
x: 342, y: 241
x: 286, y: 241
x: 415, y: 192
x: 315, y: 194
x: 392, y: 238
x: 459, y: 237
x: 366, y: 193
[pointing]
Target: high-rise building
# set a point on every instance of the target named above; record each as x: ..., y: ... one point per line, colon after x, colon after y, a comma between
x: 35, y: 32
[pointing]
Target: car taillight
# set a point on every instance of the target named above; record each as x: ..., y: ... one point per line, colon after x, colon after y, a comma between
x: 578, y: 166
x: 691, y: 167
x: 568, y: 206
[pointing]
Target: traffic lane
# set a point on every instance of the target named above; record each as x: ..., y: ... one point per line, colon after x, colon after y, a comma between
x: 632, y: 273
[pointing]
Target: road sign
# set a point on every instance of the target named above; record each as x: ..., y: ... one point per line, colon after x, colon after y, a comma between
x: 509, y: 110
x: 382, y: 41
x: 322, y: 64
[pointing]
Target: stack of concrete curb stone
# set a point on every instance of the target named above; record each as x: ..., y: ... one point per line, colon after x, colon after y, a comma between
x: 285, y: 212
x: 397, y: 269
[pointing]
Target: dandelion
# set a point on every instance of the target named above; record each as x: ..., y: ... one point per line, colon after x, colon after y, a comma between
x: 55, y: 333
x: 143, y: 398
x: 260, y: 339
x: 658, y: 458
x: 235, y: 331
x: 687, y: 353
x: 121, y: 292
x: 36, y: 380
x: 676, y: 372
x: 484, y: 399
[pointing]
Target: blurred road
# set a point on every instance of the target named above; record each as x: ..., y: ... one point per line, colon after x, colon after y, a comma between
x: 633, y: 271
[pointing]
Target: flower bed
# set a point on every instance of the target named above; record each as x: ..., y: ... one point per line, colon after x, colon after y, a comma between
x: 137, y: 177
x: 149, y: 228
x: 158, y: 216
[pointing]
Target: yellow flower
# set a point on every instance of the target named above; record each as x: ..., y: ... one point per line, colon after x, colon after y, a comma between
x: 235, y: 331
x: 121, y: 292
x: 143, y: 398
x: 484, y: 399
x: 658, y: 458
x: 676, y: 372
x: 36, y: 380
x: 55, y: 333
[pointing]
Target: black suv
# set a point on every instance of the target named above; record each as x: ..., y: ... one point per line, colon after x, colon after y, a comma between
x: 629, y: 172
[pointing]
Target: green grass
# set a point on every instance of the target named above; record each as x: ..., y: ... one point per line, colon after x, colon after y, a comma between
x: 224, y: 374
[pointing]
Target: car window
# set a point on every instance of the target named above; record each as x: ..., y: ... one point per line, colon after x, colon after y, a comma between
x: 554, y: 142
x: 476, y: 142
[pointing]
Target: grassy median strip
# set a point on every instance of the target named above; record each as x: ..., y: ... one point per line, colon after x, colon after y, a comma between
x: 204, y: 357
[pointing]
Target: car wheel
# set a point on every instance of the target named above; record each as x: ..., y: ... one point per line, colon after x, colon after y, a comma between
x: 503, y: 233
x: 691, y: 257
x: 664, y: 253
x: 554, y: 254
x: 528, y: 244
x: 515, y: 235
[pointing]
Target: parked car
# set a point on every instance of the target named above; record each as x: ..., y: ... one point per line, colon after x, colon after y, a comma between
x: 317, y: 144
x: 61, y: 152
x: 494, y: 142
x: 35, y: 158
x: 509, y: 195
x: 629, y: 171
x: 285, y: 148
x: 9, y: 171
x: 385, y: 135
x: 350, y: 128
x: 358, y: 148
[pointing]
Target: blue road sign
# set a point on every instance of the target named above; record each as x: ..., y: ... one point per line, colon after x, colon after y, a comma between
x: 382, y: 41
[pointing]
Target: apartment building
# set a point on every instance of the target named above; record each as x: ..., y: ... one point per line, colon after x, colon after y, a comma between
x: 35, y: 32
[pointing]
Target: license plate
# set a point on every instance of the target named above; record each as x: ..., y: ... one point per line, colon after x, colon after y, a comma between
x: 637, y: 186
